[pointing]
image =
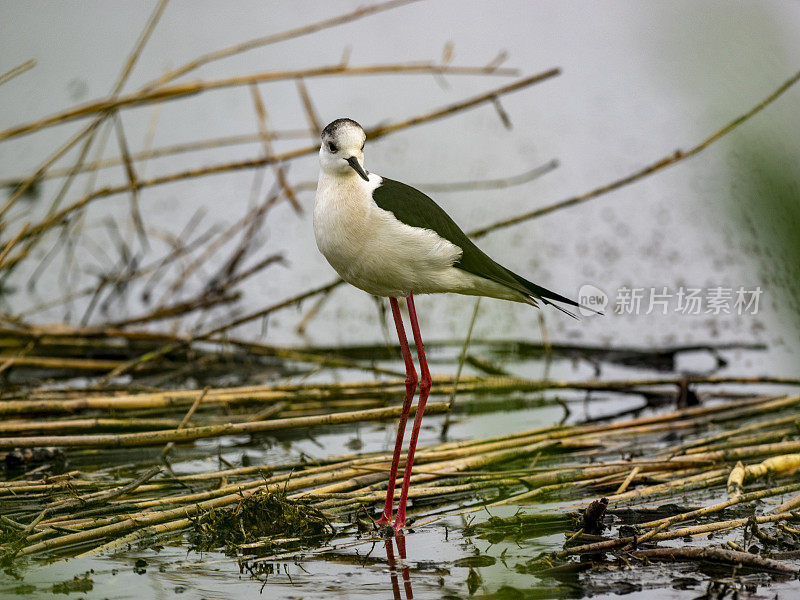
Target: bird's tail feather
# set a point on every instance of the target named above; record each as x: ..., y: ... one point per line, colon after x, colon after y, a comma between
x: 549, y: 296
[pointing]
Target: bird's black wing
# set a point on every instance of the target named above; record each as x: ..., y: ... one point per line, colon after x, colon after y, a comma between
x: 414, y: 208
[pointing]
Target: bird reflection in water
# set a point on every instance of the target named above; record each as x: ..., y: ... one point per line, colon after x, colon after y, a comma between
x: 389, y: 543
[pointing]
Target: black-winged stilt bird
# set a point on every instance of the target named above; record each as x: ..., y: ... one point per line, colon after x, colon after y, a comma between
x: 390, y: 239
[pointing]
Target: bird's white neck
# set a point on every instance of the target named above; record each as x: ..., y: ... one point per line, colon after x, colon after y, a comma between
x: 347, y: 187
x: 338, y: 177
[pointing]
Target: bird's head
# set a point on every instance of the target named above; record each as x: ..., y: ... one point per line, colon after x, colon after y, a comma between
x: 342, y: 150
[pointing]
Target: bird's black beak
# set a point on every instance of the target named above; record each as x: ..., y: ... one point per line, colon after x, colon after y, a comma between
x: 353, y: 162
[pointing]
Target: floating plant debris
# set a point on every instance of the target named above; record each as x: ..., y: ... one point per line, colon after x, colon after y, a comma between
x: 257, y: 516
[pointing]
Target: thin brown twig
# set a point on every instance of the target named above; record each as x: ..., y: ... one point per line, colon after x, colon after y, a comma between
x: 163, y: 151
x: 662, y: 163
x: 126, y: 440
x: 275, y: 38
x: 314, y: 124
x: 716, y: 555
x: 253, y: 216
x: 181, y: 250
x: 268, y: 412
x: 259, y: 314
x: 74, y: 169
x: 205, y: 299
x: 149, y: 137
x: 25, y: 185
x: 202, y: 301
x: 18, y: 70
x: 133, y: 181
x: 170, y: 347
x: 373, y: 133
x: 463, y: 355
x: 185, y: 421
x: 382, y: 130
x: 102, y: 498
x: 89, y: 131
x: 12, y: 242
x: 312, y: 312
x: 278, y: 169
x: 9, y: 362
x: 140, y: 44
x: 461, y: 358
x: 491, y: 184
x: 176, y: 91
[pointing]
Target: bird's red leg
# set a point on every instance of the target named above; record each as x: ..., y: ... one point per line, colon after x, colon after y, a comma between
x: 424, y: 390
x: 411, y: 386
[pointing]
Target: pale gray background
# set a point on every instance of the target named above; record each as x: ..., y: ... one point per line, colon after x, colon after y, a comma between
x: 640, y: 79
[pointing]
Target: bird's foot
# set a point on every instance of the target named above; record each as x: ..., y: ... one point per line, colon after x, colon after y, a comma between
x: 382, y: 522
x: 383, y: 526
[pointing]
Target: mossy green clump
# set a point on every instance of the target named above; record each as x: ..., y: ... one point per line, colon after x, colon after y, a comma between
x: 257, y: 516
x: 79, y: 583
x: 525, y: 526
x: 11, y: 541
x: 23, y: 589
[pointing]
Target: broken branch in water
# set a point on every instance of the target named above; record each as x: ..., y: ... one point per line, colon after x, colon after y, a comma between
x: 716, y: 555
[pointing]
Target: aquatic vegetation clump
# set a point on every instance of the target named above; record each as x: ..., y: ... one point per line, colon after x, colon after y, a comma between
x: 255, y: 517
x: 522, y: 526
x: 79, y: 583
x: 12, y: 539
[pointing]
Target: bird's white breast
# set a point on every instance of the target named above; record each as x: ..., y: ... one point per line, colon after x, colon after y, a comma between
x: 373, y: 250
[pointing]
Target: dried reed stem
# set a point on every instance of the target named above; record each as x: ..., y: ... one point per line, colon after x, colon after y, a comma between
x: 658, y: 165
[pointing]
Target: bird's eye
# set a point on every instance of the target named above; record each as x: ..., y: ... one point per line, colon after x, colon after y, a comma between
x: 332, y: 147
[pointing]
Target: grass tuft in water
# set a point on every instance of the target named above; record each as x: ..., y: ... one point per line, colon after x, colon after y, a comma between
x: 79, y: 583
x: 255, y: 517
